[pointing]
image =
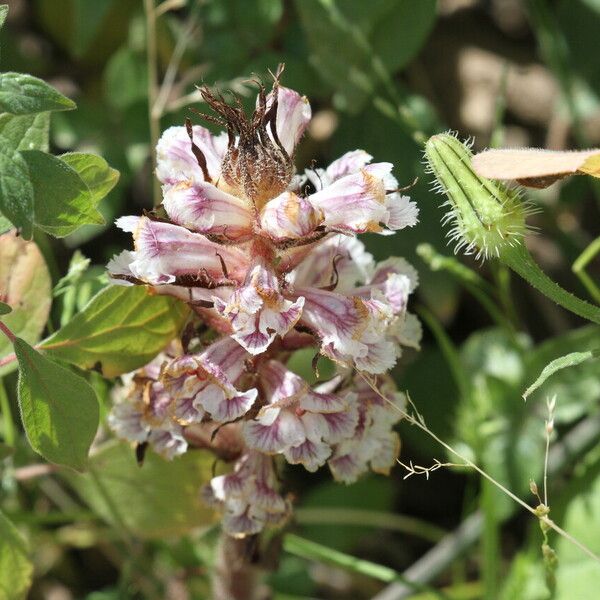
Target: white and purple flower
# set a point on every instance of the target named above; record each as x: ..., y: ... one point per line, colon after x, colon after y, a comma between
x: 269, y: 260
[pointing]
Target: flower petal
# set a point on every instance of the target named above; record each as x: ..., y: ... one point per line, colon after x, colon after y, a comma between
x: 349, y: 163
x: 204, y: 208
x: 285, y: 431
x: 293, y: 116
x: 165, y: 253
x: 177, y: 163
x: 258, y: 312
x: 289, y: 216
x: 311, y: 454
x: 355, y: 202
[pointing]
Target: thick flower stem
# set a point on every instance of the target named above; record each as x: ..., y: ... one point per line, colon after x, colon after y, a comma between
x: 520, y: 261
x: 235, y: 577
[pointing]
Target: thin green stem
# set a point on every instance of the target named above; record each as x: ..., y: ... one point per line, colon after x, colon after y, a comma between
x: 310, y: 550
x: 448, y: 350
x: 490, y: 541
x: 473, y: 282
x: 152, y: 67
x: 10, y: 433
x: 519, y: 260
x: 582, y: 262
x: 369, y: 518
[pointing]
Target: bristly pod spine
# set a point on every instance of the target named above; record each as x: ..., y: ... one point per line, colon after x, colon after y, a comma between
x: 486, y: 217
x: 489, y: 219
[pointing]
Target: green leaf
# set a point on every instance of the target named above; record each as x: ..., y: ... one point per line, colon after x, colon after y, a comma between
x: 577, y: 388
x: 22, y: 94
x: 96, y: 173
x: 59, y: 409
x: 62, y: 200
x: 3, y: 13
x: 26, y: 286
x: 15, y: 567
x: 26, y: 132
x: 568, y: 360
x: 153, y: 501
x: 378, y: 37
x: 122, y: 328
x: 126, y: 78
x: 4, y: 308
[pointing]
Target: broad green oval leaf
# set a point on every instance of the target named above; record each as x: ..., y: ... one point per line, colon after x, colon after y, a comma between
x: 62, y: 200
x: 22, y: 94
x: 15, y: 567
x: 568, y: 360
x: 4, y: 308
x: 122, y: 328
x: 26, y: 132
x: 96, y: 173
x: 160, y: 498
x: 26, y: 286
x: 59, y: 409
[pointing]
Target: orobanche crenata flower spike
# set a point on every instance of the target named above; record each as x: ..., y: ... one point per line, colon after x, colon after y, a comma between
x: 269, y: 261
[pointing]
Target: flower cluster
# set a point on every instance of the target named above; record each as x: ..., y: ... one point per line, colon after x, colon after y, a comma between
x: 269, y: 261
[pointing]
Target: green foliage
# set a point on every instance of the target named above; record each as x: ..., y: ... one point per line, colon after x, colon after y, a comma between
x: 25, y: 132
x: 62, y: 200
x: 156, y: 500
x: 16, y: 569
x: 59, y: 409
x: 4, y: 308
x: 568, y: 360
x: 22, y: 94
x: 25, y: 284
x: 122, y: 328
x: 368, y: 33
x: 95, y: 172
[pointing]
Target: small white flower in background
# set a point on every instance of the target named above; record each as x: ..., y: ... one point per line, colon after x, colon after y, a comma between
x: 269, y: 261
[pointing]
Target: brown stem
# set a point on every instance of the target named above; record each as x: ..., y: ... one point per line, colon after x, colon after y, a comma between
x: 236, y: 575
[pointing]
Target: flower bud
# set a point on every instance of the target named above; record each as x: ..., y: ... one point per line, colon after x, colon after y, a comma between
x: 487, y: 217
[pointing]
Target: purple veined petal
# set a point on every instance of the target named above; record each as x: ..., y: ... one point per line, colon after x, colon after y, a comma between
x: 354, y: 265
x: 279, y: 383
x: 310, y: 454
x: 387, y: 452
x: 285, y: 431
x: 225, y: 408
x: 176, y: 162
x: 402, y: 212
x: 355, y: 202
x: 165, y: 252
x: 204, y: 208
x: 168, y: 441
x: 351, y: 329
x: 346, y: 464
x: 244, y: 524
x: 341, y: 425
x: 119, y: 265
x: 258, y: 312
x: 407, y: 331
x: 380, y: 357
x: 347, y: 164
x: 126, y: 420
x: 293, y: 116
x: 322, y: 403
x: 289, y: 216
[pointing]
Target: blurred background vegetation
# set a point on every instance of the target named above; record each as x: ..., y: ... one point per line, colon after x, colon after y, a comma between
x: 381, y: 75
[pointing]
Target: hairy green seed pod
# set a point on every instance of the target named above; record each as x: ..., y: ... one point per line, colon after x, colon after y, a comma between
x: 486, y: 217
x: 489, y: 219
